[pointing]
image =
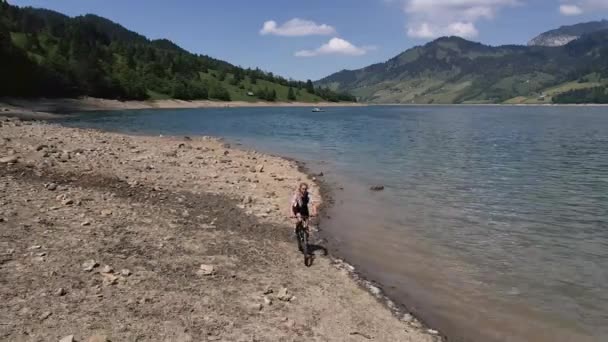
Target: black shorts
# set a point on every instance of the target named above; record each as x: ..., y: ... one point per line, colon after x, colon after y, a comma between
x: 303, y: 212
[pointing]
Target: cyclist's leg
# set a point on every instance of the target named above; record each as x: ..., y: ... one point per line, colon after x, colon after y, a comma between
x: 298, y: 221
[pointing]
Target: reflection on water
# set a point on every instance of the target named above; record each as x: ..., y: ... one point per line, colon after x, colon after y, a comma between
x: 493, y: 217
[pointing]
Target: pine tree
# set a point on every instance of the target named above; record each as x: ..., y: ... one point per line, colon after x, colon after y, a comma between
x: 310, y: 87
x: 290, y: 95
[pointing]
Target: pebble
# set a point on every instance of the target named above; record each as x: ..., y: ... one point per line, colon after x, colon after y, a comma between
x: 125, y: 272
x: 106, y: 212
x: 283, y: 295
x: 206, y: 270
x: 89, y: 265
x: 51, y: 186
x: 45, y: 315
x: 256, y: 307
x: 377, y: 187
x: 64, y: 157
x: 8, y: 160
x: 267, y: 301
x: 60, y: 292
x: 407, y: 317
x: 107, y: 269
x: 85, y: 223
x: 98, y: 338
x: 259, y: 168
x: 69, y: 338
x: 109, y: 279
x: 67, y: 201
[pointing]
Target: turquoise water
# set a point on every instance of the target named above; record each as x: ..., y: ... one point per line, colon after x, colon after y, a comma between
x: 494, y: 221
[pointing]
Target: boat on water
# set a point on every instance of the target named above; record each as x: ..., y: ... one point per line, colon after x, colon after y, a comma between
x: 317, y: 110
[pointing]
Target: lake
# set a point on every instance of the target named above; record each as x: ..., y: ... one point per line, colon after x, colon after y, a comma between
x: 494, y: 222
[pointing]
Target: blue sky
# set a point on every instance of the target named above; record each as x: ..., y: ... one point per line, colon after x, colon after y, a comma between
x: 328, y: 35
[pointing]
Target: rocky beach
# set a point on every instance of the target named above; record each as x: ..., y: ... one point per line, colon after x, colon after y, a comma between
x: 111, y: 237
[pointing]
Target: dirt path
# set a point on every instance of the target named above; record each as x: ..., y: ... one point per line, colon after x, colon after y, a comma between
x: 123, y: 238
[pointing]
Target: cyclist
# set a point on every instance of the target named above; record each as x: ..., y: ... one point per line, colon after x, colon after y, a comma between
x: 299, y: 205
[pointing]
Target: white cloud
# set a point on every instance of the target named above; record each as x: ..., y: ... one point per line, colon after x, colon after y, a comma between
x: 427, y: 30
x: 570, y: 10
x: 577, y: 7
x: 296, y: 27
x: 434, y: 18
x: 335, y: 46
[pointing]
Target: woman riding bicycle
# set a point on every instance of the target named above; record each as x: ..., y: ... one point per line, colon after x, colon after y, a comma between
x: 299, y: 205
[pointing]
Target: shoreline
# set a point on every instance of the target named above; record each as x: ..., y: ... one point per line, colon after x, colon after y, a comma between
x: 97, y: 156
x: 46, y: 108
x: 49, y: 109
x: 490, y: 104
x: 398, y: 309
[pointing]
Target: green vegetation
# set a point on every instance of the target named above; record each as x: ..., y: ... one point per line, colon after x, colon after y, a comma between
x: 585, y: 95
x: 454, y: 70
x: 45, y: 53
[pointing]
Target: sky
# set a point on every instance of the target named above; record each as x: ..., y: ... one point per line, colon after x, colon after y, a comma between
x: 310, y: 39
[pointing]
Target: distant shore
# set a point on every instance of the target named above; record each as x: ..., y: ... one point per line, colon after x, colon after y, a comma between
x: 44, y: 108
x: 494, y: 104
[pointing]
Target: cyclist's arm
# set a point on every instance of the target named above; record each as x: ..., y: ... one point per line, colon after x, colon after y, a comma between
x: 313, y: 207
x: 292, y: 207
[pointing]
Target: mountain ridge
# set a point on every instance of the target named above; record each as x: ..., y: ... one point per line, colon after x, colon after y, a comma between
x: 455, y: 70
x: 567, y: 33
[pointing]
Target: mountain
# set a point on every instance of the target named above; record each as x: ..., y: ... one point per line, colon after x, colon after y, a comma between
x: 455, y: 70
x: 47, y: 54
x: 566, y: 34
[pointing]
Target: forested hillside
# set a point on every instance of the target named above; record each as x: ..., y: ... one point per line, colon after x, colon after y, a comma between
x: 45, y: 53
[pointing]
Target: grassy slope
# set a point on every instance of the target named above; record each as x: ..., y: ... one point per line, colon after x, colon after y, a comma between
x: 431, y: 90
x: 552, y: 91
x: 238, y: 94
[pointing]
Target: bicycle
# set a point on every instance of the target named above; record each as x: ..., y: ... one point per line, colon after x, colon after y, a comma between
x: 302, y: 235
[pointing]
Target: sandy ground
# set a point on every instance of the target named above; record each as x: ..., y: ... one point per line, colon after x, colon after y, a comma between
x: 110, y: 237
x: 60, y: 106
